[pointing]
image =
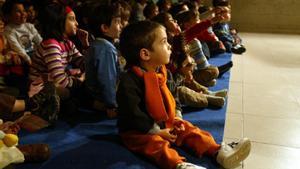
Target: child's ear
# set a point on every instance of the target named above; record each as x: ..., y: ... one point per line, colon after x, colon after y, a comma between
x: 144, y: 54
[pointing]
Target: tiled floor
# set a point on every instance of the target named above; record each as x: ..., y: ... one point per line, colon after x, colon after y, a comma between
x: 264, y: 100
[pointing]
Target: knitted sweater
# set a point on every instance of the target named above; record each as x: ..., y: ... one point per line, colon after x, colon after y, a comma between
x: 22, y: 39
x: 53, y: 59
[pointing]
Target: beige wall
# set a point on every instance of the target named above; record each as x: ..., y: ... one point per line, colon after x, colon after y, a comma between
x: 281, y: 16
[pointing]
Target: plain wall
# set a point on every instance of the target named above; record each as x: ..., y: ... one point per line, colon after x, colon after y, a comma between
x: 274, y: 16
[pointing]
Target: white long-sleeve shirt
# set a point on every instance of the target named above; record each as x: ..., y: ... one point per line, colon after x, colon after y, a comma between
x: 22, y: 39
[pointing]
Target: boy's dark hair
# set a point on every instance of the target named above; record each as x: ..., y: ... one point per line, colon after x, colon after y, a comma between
x: 28, y: 4
x: 162, y: 18
x: 52, y: 19
x: 177, y: 8
x: 186, y: 16
x: 8, y: 6
x: 161, y: 4
x: 126, y: 9
x: 136, y: 36
x: 220, y: 3
x: 103, y: 14
x: 149, y: 9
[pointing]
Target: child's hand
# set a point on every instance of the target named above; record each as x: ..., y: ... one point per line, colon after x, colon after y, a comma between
x: 74, y: 72
x: 83, y: 36
x: 187, y: 73
x: 14, y: 58
x: 188, y: 68
x: 221, y: 14
x: 166, y: 134
x: 178, y: 126
x: 82, y: 77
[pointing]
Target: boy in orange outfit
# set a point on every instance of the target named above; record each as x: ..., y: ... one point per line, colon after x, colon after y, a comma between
x: 147, y: 119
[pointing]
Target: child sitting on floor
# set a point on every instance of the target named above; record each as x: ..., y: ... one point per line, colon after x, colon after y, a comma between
x: 57, y: 60
x: 23, y: 38
x: 237, y: 46
x: 102, y: 69
x: 146, y: 116
x: 190, y: 92
x: 195, y: 48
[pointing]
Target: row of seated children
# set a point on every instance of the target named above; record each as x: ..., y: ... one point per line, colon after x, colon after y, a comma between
x: 10, y: 151
x: 182, y: 64
x: 57, y: 60
x: 56, y: 54
x: 21, y: 37
x: 108, y: 97
x: 228, y: 38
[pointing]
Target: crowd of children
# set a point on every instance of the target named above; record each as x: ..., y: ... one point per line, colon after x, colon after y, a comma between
x: 128, y: 59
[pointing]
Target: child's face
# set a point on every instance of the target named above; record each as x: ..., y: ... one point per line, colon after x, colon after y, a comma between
x: 114, y: 29
x: 18, y: 14
x: 172, y: 25
x: 31, y: 13
x: 125, y: 18
x: 155, y: 11
x: 233, y: 31
x: 70, y: 24
x: 161, y: 49
x: 167, y: 5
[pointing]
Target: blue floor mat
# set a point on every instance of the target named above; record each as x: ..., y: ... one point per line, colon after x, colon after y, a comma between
x: 94, y: 144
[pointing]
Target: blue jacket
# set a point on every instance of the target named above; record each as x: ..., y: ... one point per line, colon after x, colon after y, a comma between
x: 102, y: 71
x: 222, y: 32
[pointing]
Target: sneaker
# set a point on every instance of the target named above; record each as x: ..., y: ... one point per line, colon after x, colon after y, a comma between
x: 220, y: 93
x: 230, y: 155
x: 238, y: 49
x: 224, y: 68
x: 46, y: 103
x: 185, y: 165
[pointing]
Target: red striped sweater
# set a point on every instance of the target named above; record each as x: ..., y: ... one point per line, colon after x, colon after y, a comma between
x: 51, y: 60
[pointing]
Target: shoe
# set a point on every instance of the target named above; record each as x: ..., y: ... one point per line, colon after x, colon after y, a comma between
x: 230, y: 155
x: 35, y: 152
x: 45, y: 104
x: 185, y: 165
x: 224, y: 68
x: 219, y: 93
x: 215, y: 100
x: 238, y: 49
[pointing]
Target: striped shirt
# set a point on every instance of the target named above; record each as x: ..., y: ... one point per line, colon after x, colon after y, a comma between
x: 52, y: 59
x: 195, y: 50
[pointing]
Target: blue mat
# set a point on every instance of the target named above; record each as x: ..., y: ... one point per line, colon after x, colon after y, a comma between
x: 94, y: 144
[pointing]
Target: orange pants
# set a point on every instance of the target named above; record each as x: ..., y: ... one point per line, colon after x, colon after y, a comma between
x: 159, y: 150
